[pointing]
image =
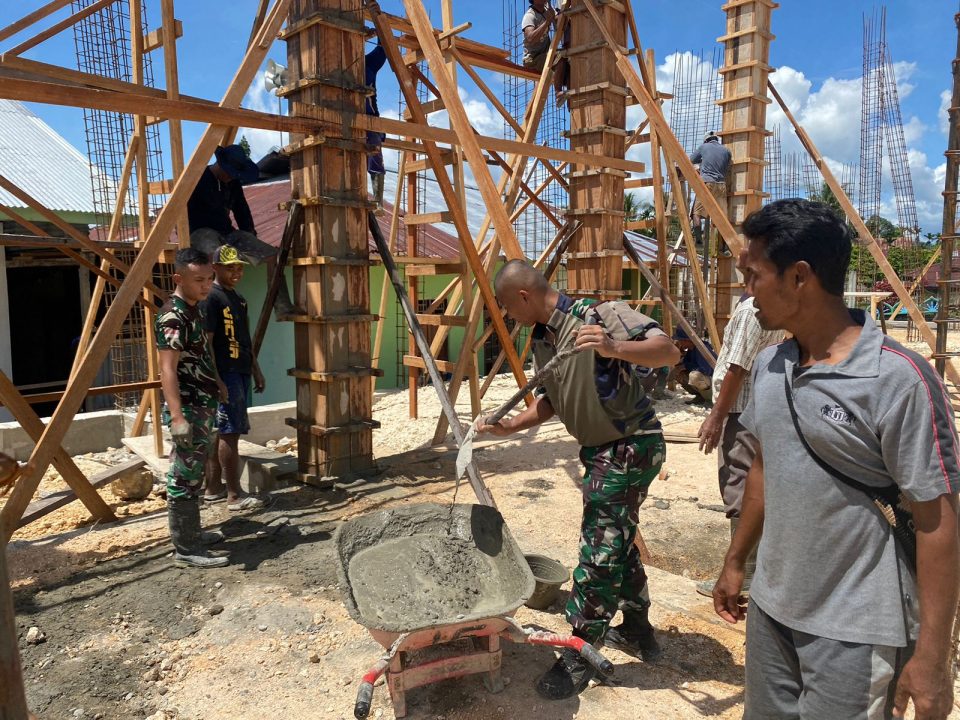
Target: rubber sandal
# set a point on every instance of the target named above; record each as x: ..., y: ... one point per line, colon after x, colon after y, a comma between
x: 216, y: 497
x: 247, y: 503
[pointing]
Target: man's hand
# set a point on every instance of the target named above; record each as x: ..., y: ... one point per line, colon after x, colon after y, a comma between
x: 592, y: 337
x: 727, y: 600
x: 550, y: 14
x: 222, y: 390
x: 710, y: 432
x: 181, y: 431
x: 929, y: 685
x: 259, y: 382
x: 499, y: 428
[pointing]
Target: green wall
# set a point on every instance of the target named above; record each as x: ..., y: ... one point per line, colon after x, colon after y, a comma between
x: 276, y: 356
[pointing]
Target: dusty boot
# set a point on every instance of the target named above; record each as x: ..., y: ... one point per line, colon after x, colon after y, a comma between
x: 377, y: 180
x: 283, y: 305
x: 184, y: 518
x: 569, y: 676
x: 706, y: 588
x: 635, y: 635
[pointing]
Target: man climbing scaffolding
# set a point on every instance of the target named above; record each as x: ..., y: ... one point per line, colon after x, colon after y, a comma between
x: 598, y: 395
x: 375, y: 60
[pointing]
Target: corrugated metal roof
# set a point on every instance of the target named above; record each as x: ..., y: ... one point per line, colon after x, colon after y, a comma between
x: 38, y: 160
x: 264, y: 198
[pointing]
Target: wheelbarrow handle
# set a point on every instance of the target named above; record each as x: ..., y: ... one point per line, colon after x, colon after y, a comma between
x: 586, y: 650
x: 364, y: 699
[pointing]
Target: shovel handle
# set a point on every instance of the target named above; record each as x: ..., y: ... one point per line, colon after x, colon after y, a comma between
x: 501, y: 412
x: 590, y: 654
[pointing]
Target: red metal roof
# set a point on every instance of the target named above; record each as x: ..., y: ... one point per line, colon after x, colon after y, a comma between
x: 264, y: 200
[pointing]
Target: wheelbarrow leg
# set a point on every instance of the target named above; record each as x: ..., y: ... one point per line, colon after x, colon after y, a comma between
x: 395, y: 683
x: 493, y: 678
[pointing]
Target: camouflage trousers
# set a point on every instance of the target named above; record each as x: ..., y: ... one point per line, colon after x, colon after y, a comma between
x: 609, y: 574
x: 188, y: 460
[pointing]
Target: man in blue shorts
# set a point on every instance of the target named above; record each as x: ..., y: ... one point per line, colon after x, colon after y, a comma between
x: 228, y: 332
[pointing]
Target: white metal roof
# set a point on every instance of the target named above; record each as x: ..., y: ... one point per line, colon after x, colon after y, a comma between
x: 38, y: 160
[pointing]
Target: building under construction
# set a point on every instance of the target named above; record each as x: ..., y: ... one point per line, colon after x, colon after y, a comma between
x: 409, y: 294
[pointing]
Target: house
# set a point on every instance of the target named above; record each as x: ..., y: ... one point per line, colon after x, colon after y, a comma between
x: 43, y: 294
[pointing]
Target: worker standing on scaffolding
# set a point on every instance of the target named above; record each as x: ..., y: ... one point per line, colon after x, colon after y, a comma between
x: 536, y: 24
x: 218, y: 194
x: 714, y: 162
x: 373, y: 61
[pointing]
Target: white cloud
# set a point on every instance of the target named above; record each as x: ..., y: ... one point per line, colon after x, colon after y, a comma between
x: 259, y: 99
x: 943, y: 115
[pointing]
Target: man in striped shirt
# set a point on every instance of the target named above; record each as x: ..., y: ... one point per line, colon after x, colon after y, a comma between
x: 743, y: 339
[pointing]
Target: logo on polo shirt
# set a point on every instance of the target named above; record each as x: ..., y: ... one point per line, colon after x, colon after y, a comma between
x: 835, y: 413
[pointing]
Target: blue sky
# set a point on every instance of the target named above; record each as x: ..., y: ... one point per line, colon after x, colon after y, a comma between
x: 818, y: 48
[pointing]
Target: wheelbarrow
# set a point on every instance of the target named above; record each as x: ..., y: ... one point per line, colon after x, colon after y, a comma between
x: 423, y: 575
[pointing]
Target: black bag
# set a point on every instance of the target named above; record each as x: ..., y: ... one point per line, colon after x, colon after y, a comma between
x: 891, y: 503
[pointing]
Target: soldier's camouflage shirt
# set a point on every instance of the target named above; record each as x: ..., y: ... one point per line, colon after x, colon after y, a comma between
x: 598, y: 399
x: 179, y: 326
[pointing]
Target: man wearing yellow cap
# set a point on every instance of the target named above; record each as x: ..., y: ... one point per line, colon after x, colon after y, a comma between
x: 227, y: 326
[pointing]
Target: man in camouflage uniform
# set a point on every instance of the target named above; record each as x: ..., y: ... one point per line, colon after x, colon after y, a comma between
x: 598, y: 395
x: 191, y: 389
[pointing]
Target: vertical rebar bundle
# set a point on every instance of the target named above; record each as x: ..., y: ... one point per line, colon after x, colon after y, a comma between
x: 102, y: 42
x: 534, y: 230
x: 696, y: 88
x: 773, y: 172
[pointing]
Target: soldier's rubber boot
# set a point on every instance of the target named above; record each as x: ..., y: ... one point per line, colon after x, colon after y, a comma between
x: 184, y: 518
x: 569, y: 676
x: 635, y: 635
x: 377, y: 180
x: 750, y: 567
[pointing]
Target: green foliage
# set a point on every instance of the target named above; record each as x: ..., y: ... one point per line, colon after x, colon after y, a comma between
x: 245, y: 144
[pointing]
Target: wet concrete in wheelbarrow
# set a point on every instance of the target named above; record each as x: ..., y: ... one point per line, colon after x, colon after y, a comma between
x: 419, y: 566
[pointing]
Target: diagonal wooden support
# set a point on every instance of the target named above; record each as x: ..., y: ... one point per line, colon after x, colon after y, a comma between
x: 854, y: 217
x: 59, y: 27
x: 32, y: 18
x: 290, y: 231
x: 460, y: 124
x: 72, y: 232
x: 671, y: 146
x: 409, y: 91
x: 100, y: 271
x: 668, y: 301
x: 32, y: 425
x: 13, y: 701
x: 133, y: 284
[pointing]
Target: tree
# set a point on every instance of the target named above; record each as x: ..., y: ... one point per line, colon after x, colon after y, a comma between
x: 631, y: 207
x: 883, y: 229
x: 245, y: 144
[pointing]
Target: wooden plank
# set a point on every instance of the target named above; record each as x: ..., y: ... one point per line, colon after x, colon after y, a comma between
x: 73, y: 233
x: 866, y: 237
x: 667, y: 300
x: 58, y: 27
x: 446, y: 187
x: 37, y: 398
x: 291, y: 228
x: 13, y: 701
x: 431, y: 218
x: 454, y: 267
x: 436, y: 320
x: 33, y: 426
x: 32, y: 18
x: 663, y: 264
x: 332, y: 375
x: 156, y: 39
x: 57, y: 500
x: 134, y: 282
x: 132, y: 102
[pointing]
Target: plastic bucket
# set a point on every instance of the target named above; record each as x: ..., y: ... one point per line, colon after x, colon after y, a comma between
x: 549, y: 576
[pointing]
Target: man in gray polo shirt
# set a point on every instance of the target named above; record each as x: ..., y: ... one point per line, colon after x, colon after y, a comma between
x: 598, y: 395
x: 713, y: 160
x: 841, y: 626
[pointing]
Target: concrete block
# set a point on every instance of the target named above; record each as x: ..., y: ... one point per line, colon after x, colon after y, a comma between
x: 89, y: 432
x: 261, y: 469
x: 267, y: 422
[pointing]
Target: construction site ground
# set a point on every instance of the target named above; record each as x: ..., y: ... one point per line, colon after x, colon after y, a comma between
x: 124, y: 634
